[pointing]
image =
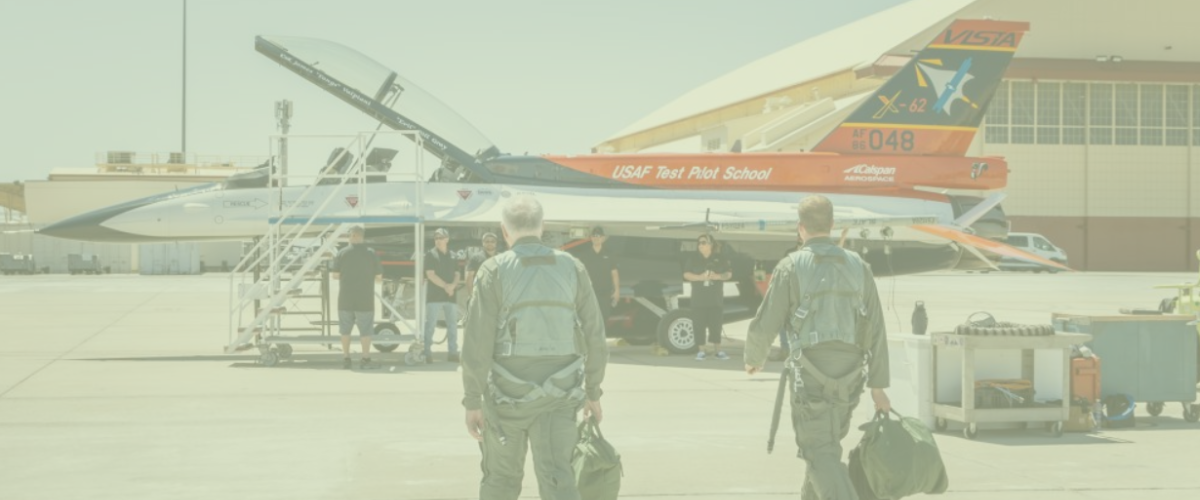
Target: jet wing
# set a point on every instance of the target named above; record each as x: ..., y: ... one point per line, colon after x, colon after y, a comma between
x: 680, y: 214
x: 987, y: 245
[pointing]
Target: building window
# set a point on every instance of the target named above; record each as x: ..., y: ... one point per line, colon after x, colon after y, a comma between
x: 1177, y: 137
x: 1177, y: 106
x: 1152, y: 105
x: 1074, y: 135
x: 1100, y: 136
x: 1023, y: 104
x: 1049, y: 100
x: 1125, y: 136
x: 994, y: 134
x: 713, y: 144
x: 1078, y: 113
x: 996, y: 119
x: 1151, y: 137
x: 1049, y: 112
x: 1196, y: 114
x: 1176, y: 110
x: 1151, y: 113
x: 1100, y: 113
x: 1022, y: 135
x: 1126, y: 105
x: 997, y: 112
x: 1074, y: 104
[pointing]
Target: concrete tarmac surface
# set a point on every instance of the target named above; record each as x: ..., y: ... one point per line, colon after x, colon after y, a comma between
x: 115, y: 387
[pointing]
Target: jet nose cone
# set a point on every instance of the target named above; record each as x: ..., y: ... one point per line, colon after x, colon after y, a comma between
x: 90, y: 227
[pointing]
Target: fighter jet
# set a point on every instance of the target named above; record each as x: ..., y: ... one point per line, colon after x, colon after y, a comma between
x: 878, y: 165
x: 885, y: 168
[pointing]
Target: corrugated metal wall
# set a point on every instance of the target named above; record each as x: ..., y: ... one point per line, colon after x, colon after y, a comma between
x: 169, y: 258
x: 51, y: 253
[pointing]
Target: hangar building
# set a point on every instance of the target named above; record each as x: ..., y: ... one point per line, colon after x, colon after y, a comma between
x: 1098, y: 116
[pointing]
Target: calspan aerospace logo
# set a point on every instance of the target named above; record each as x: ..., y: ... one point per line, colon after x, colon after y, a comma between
x: 947, y: 83
x: 870, y: 173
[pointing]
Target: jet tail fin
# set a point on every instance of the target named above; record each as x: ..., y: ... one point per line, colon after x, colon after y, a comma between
x: 935, y: 104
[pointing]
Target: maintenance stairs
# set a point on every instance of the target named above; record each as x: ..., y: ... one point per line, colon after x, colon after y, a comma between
x: 291, y: 263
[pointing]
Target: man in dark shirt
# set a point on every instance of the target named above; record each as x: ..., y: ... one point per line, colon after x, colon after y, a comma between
x: 489, y: 242
x: 441, y: 280
x: 602, y: 269
x: 707, y: 271
x: 356, y: 268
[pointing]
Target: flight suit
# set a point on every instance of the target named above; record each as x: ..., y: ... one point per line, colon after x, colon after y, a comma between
x: 829, y: 376
x: 529, y: 401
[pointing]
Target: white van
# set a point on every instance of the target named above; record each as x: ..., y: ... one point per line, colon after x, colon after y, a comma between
x: 1035, y: 244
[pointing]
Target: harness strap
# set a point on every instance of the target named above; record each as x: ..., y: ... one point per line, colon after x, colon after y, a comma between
x: 537, y: 391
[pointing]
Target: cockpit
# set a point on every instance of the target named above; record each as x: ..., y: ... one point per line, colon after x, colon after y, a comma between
x: 386, y: 96
x: 376, y: 167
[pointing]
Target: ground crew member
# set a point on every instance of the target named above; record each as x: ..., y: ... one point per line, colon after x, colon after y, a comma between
x: 534, y: 353
x: 356, y: 268
x: 826, y: 298
x: 489, y: 242
x: 602, y: 270
x: 708, y: 270
x: 441, y: 283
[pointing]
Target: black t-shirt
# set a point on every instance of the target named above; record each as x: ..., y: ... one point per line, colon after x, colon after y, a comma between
x: 358, y: 266
x: 444, y: 266
x: 477, y: 260
x: 599, y: 267
x: 712, y: 294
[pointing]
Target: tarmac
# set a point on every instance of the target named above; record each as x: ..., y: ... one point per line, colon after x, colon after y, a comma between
x: 115, y: 387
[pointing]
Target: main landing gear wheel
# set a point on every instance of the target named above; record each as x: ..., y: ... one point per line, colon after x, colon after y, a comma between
x: 1155, y: 409
x: 940, y: 424
x: 284, y: 350
x: 970, y: 431
x: 677, y: 332
x: 386, y: 331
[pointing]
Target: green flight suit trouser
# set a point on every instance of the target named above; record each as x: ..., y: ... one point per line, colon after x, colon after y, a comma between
x: 551, y: 432
x: 831, y: 384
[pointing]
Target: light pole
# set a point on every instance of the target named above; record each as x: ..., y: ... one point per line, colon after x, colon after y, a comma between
x: 183, y: 118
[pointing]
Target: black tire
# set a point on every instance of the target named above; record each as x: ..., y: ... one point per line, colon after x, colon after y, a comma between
x: 676, y: 332
x: 644, y: 330
x: 284, y: 350
x: 1154, y: 409
x: 1191, y: 413
x: 1166, y: 306
x: 388, y: 330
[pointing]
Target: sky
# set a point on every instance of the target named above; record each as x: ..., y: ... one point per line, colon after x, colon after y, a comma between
x: 86, y: 76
